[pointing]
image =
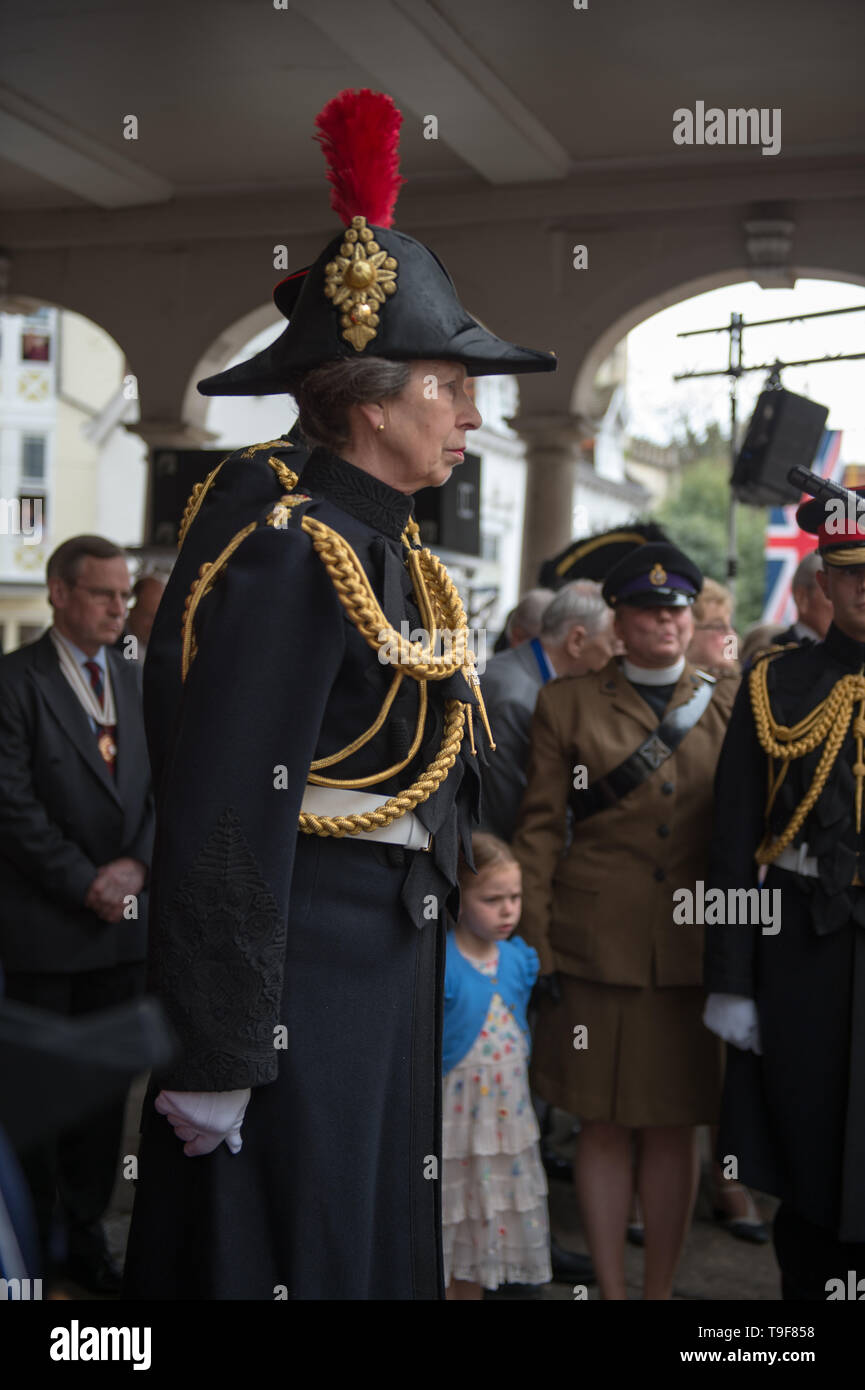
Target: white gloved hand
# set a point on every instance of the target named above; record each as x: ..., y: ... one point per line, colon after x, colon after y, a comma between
x: 734, y: 1018
x: 204, y: 1118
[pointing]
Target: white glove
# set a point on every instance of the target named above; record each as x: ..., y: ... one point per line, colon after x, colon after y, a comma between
x: 734, y: 1018
x: 204, y: 1118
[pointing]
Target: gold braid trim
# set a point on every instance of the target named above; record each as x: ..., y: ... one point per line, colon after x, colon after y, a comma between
x: 363, y: 608
x: 287, y: 478
x: 827, y: 723
x: 193, y: 504
x: 399, y: 805
x: 207, y: 576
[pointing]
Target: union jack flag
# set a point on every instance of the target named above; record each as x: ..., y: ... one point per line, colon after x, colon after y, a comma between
x: 786, y: 545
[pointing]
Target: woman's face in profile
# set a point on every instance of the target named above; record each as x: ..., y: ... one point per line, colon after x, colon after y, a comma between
x: 425, y: 427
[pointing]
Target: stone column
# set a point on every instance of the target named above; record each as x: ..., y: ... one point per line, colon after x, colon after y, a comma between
x: 552, y: 441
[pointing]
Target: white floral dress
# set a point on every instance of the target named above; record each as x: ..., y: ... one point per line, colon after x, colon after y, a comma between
x: 494, y: 1196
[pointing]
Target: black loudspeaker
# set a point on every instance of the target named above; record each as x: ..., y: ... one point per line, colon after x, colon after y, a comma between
x: 174, y: 474
x: 784, y: 430
x: 449, y: 517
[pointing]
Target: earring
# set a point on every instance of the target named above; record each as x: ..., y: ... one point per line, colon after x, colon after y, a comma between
x: 379, y: 427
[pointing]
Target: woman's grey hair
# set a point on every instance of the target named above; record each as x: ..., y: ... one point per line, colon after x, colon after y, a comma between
x: 325, y: 395
x: 578, y: 602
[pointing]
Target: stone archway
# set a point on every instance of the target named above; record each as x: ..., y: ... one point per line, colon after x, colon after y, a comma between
x: 231, y: 341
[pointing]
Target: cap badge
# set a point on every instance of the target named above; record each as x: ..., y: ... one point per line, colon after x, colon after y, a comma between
x: 358, y: 281
x: 657, y: 575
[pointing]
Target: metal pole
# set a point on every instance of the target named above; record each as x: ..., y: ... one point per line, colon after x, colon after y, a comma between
x: 735, y: 368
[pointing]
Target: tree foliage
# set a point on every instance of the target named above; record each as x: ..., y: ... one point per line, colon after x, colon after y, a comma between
x: 695, y: 517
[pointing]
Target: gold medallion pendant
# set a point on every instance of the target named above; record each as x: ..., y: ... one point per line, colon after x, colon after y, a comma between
x: 107, y: 747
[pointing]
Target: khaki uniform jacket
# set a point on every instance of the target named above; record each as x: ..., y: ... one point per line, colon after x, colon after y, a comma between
x: 602, y: 907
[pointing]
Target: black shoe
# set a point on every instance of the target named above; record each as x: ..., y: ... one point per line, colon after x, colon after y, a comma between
x: 558, y: 1168
x: 755, y: 1232
x: 570, y: 1267
x: 636, y: 1233
x: 750, y: 1228
x: 95, y: 1273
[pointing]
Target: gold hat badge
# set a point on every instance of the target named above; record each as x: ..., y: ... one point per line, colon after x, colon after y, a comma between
x: 358, y: 281
x: 657, y: 575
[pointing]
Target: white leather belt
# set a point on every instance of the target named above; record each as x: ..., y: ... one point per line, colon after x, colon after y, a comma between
x: 798, y: 861
x: 338, y: 801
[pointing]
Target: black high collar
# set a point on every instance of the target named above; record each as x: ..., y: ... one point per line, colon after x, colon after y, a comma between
x: 356, y: 492
x: 844, y: 649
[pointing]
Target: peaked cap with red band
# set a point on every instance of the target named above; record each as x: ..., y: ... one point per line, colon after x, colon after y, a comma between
x: 373, y: 291
x: 840, y: 530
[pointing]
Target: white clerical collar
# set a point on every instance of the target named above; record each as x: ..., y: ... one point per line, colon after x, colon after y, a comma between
x: 663, y: 675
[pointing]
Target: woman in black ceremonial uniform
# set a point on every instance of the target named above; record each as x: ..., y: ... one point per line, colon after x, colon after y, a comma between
x: 315, y: 778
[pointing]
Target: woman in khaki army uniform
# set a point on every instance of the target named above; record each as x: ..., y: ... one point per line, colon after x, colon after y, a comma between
x: 617, y: 817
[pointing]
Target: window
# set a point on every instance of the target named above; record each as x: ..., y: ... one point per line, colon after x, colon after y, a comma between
x: 489, y: 546
x: 31, y: 513
x: 33, y: 457
x: 36, y: 337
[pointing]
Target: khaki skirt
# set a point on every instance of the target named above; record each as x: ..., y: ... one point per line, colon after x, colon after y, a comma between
x: 643, y: 1056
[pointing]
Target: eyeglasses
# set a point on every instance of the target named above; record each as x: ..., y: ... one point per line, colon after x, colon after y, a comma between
x: 107, y: 595
x: 713, y: 627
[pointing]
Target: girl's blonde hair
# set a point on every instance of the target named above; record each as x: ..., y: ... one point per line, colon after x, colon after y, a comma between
x: 486, y: 851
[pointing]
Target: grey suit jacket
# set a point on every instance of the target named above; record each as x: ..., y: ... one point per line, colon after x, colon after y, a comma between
x: 510, y: 686
x: 62, y: 814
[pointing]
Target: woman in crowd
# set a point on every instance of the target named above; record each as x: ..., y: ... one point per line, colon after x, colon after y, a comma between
x: 616, y: 819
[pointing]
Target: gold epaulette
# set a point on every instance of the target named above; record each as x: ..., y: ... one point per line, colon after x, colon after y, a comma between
x: 826, y: 724
x: 775, y: 650
x: 286, y: 476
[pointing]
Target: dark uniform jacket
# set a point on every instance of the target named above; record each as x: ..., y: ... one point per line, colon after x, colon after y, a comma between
x: 307, y: 968
x: 795, y: 1115
x: 63, y: 814
x: 600, y: 905
x: 510, y: 687
x: 281, y: 676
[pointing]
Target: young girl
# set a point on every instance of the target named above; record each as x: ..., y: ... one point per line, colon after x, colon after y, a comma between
x: 494, y: 1197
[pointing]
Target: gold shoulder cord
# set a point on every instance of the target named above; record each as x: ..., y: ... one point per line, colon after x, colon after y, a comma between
x: 441, y: 609
x: 827, y: 723
x: 287, y: 478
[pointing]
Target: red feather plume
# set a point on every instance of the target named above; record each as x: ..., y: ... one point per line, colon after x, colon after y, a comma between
x: 359, y: 134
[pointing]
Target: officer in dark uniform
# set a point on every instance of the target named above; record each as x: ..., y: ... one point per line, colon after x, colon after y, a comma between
x: 789, y: 991
x: 316, y: 776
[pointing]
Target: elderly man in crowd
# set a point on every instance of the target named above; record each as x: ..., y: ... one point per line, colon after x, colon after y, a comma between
x: 76, y: 833
x: 813, y: 609
x: 575, y: 636
x: 524, y: 622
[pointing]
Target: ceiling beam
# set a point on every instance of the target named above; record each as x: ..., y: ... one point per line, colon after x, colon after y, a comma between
x: 43, y: 144
x: 414, y: 54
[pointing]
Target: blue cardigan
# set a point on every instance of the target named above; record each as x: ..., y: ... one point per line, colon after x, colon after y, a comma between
x: 468, y: 994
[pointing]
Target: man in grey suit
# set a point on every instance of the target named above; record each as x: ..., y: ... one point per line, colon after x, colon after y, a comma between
x: 576, y: 636
x: 76, y: 833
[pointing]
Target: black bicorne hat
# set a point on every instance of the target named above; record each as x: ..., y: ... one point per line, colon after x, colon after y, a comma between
x: 372, y: 290
x: 592, y: 557
x: 656, y: 575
